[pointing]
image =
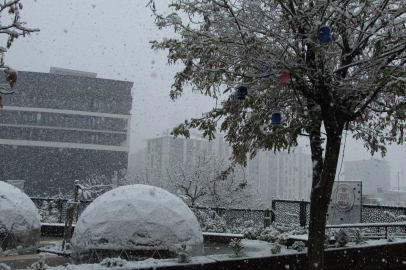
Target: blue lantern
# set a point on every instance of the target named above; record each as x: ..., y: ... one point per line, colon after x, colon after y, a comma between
x: 325, y: 34
x: 242, y: 92
x: 265, y: 71
x: 276, y: 118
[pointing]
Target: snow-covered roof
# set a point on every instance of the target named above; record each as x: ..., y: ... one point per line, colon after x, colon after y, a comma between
x: 137, y: 217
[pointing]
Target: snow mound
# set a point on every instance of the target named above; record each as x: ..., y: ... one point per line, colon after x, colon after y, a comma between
x: 137, y: 217
x: 20, y: 223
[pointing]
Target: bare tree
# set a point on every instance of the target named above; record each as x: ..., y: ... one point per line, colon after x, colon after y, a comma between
x: 212, y: 181
x: 11, y: 25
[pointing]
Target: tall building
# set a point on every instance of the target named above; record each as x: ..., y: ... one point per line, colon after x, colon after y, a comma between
x: 61, y: 126
x: 374, y: 174
x: 166, y: 150
x: 277, y: 175
x: 282, y: 175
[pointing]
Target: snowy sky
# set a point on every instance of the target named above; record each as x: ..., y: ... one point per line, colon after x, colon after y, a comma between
x: 111, y: 38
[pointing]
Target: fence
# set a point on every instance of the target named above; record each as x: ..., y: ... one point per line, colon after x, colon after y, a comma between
x: 47, y: 207
x: 283, y: 211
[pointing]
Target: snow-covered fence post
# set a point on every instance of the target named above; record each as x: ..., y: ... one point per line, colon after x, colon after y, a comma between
x: 59, y: 204
x: 267, y: 219
x: 273, y: 212
x: 302, y: 214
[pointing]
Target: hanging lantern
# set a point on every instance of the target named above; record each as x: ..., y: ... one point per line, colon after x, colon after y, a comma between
x: 276, y: 118
x: 265, y: 71
x: 325, y: 34
x: 284, y: 78
x: 242, y: 92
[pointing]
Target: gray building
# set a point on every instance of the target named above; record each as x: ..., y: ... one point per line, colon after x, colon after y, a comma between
x: 166, y: 151
x: 373, y: 173
x: 282, y: 174
x: 62, y: 126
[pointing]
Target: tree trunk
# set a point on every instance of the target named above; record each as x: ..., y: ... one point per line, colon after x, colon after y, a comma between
x: 67, y: 234
x: 324, y: 171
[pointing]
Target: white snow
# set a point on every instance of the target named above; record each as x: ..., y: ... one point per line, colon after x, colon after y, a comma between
x: 137, y: 217
x: 224, y: 234
x: 18, y: 215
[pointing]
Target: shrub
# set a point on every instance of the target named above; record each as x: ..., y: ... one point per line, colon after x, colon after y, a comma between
x: 276, y: 249
x: 299, y: 246
x: 341, y: 237
x: 359, y: 236
x: 391, y: 237
x: 183, y: 253
x: 269, y: 234
x: 283, y: 238
x: 252, y: 233
x: 113, y: 262
x: 237, y: 246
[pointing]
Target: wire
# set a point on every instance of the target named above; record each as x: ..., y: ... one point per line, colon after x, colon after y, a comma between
x: 339, y: 172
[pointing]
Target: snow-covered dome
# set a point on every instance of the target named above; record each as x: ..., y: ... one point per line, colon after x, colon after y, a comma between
x: 137, y: 217
x: 20, y: 223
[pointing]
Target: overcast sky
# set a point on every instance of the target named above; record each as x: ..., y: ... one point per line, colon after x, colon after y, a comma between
x: 111, y: 38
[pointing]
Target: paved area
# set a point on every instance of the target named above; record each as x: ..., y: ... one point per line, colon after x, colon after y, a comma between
x: 26, y: 260
x: 18, y: 262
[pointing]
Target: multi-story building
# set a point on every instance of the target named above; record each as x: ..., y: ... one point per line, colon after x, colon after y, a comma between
x: 374, y: 174
x: 166, y: 150
x: 282, y: 175
x: 61, y: 126
x: 277, y: 175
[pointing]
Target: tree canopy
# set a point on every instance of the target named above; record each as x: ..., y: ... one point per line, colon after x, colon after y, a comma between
x: 358, y: 76
x: 354, y: 80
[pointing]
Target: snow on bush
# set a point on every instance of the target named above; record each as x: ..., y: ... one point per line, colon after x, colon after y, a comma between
x: 276, y: 249
x: 4, y: 267
x: 299, y: 246
x: 182, y: 251
x: 49, y: 212
x: 237, y: 246
x: 40, y: 264
x: 359, y: 236
x: 341, y: 237
x: 113, y: 262
x: 269, y: 234
x: 391, y: 237
x: 137, y: 217
x: 19, y: 218
x: 216, y: 224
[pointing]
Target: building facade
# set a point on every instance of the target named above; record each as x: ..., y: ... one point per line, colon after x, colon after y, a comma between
x: 282, y: 175
x: 374, y: 174
x: 165, y: 151
x: 57, y: 128
x: 276, y: 175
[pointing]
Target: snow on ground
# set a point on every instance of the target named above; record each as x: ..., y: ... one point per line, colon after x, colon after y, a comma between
x: 137, y: 217
x: 252, y: 249
x: 18, y: 215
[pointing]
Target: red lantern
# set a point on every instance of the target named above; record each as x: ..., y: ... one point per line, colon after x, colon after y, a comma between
x: 284, y: 79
